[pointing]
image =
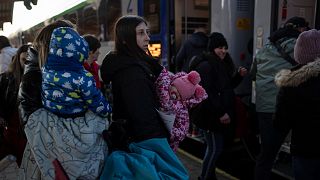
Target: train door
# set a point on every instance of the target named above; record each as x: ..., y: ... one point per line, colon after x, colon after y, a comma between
x: 271, y: 15
x: 171, y: 23
x: 158, y: 14
x: 235, y: 20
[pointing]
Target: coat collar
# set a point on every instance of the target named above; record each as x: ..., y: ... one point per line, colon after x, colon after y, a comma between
x: 295, y: 77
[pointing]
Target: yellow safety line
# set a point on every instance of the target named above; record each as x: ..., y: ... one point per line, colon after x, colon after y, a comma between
x: 200, y: 161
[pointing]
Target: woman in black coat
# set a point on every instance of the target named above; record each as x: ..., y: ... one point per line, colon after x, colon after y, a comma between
x: 298, y: 105
x: 133, y: 72
x: 219, y: 77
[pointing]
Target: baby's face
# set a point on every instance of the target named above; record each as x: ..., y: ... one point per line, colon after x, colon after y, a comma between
x: 174, y: 94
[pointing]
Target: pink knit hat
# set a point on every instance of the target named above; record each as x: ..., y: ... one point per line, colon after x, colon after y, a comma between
x: 307, y: 47
x: 188, y: 85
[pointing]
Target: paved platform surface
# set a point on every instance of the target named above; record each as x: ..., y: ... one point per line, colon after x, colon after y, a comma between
x: 193, y: 165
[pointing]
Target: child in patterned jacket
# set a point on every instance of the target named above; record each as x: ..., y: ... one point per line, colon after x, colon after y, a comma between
x: 68, y: 90
x: 177, y: 94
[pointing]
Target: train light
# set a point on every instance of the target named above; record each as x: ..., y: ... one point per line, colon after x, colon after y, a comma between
x: 155, y: 49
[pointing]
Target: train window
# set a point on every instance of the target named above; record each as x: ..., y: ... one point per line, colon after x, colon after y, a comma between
x: 152, y: 15
x: 71, y: 17
x: 109, y: 11
x: 201, y: 4
x: 89, y: 20
x: 191, y: 23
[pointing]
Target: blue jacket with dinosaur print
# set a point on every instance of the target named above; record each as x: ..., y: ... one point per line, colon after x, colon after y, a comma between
x: 68, y: 90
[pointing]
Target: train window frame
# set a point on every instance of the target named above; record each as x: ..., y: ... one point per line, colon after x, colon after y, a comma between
x: 201, y: 4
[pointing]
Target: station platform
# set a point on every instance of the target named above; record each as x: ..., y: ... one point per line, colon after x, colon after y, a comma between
x: 234, y: 163
x: 193, y: 165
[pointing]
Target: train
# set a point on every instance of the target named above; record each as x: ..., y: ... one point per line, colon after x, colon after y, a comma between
x: 246, y: 24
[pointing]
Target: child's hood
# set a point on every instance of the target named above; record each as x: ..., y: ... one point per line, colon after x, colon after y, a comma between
x: 67, y: 49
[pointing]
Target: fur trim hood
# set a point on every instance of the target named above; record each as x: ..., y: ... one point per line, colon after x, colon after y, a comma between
x: 295, y: 77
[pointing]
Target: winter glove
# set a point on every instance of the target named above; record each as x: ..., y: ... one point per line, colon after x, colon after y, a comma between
x: 116, y: 136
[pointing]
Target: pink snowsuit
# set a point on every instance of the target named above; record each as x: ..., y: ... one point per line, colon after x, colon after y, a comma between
x: 179, y: 107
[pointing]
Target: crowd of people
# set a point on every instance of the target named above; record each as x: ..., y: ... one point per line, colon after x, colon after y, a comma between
x: 58, y: 123
x: 283, y: 51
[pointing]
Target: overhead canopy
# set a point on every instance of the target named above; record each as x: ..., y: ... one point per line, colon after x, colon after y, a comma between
x: 6, y: 10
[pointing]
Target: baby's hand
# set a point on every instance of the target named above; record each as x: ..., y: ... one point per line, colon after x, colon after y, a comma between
x: 174, y: 94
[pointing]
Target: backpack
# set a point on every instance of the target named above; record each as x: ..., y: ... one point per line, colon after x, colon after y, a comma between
x: 194, y: 62
x: 196, y: 114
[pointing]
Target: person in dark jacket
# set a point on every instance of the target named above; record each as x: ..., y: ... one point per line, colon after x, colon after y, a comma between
x: 133, y: 72
x: 298, y: 105
x: 12, y: 138
x: 219, y: 77
x: 195, y: 45
x: 267, y: 63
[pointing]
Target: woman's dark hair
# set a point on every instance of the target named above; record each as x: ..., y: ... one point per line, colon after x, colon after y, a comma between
x: 126, y: 41
x: 216, y: 40
x: 4, y: 42
x: 92, y: 41
x: 15, y: 66
x: 125, y: 36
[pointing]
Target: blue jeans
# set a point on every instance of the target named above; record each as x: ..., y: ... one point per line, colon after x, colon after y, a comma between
x: 306, y: 168
x: 271, y: 141
x: 215, y: 142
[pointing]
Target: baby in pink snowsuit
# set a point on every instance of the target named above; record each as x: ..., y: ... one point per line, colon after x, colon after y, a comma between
x: 177, y: 94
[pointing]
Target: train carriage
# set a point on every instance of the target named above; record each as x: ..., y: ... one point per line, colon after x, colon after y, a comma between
x: 246, y: 24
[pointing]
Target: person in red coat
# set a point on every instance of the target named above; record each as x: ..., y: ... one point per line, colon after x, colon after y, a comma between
x: 91, y: 64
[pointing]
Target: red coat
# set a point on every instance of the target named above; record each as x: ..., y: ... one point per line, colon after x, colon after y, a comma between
x: 94, y: 70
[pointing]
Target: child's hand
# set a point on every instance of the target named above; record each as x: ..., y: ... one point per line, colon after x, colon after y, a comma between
x: 174, y: 94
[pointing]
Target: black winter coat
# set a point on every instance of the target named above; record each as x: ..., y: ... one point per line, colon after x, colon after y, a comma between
x: 12, y: 137
x: 298, y: 108
x: 134, y: 97
x: 8, y: 95
x: 218, y: 78
x: 191, y: 47
x: 29, y: 96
